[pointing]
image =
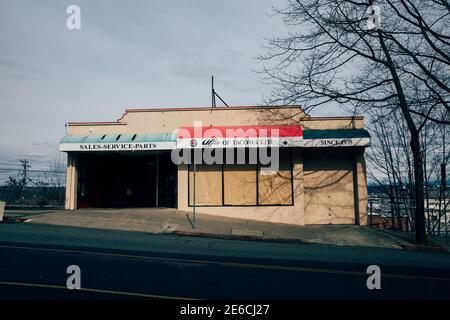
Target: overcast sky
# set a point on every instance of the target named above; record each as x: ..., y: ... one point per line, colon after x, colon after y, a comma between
x: 128, y: 54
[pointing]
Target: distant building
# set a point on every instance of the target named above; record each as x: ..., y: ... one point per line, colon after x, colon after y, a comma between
x: 321, y: 178
x: 385, y: 222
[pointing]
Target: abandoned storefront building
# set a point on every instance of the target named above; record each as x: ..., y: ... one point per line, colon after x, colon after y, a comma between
x: 319, y: 176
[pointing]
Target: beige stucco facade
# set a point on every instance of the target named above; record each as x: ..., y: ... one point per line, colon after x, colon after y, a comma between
x: 328, y: 184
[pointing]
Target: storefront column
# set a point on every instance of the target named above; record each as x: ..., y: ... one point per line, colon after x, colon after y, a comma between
x: 360, y: 187
x: 183, y: 188
x: 157, y: 182
x: 71, y: 182
x: 298, y: 186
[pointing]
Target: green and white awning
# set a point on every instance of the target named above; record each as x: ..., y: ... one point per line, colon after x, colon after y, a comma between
x: 118, y: 142
x: 336, y: 138
x: 169, y: 141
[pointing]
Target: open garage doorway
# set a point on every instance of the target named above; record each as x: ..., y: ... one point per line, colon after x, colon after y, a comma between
x: 126, y: 180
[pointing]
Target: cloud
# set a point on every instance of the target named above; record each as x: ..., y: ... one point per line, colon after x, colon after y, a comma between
x: 11, y: 68
x: 45, y: 144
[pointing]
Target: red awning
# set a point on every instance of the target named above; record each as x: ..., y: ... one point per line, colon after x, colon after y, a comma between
x: 240, y: 131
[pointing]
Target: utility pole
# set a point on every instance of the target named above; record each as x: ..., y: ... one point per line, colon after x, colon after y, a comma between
x: 24, y: 176
x: 193, y: 213
x: 24, y: 173
x: 193, y: 222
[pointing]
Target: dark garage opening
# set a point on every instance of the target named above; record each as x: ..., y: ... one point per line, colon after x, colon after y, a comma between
x: 127, y: 180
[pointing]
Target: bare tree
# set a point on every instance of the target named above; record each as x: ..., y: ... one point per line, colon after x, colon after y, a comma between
x: 16, y: 187
x: 390, y: 167
x: 332, y: 55
x: 57, y: 177
x: 51, y: 182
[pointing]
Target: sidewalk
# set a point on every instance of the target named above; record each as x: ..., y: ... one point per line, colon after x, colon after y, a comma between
x: 166, y: 220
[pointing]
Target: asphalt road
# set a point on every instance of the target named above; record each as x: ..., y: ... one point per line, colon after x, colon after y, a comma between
x: 132, y: 265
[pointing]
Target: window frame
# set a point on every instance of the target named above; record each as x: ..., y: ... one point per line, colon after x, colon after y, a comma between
x: 257, y: 172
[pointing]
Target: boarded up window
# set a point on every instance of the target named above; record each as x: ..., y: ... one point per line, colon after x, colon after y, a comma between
x: 275, y: 186
x: 239, y: 184
x: 243, y: 184
x: 208, y: 185
x: 328, y: 181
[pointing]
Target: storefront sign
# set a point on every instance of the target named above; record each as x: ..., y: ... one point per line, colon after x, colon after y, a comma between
x: 240, y: 137
x: 138, y: 146
x: 238, y: 142
x: 216, y: 137
x: 338, y: 142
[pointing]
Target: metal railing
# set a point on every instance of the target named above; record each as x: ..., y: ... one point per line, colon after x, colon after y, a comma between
x: 436, y: 218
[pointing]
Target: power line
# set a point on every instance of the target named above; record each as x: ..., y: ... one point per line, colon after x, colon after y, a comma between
x: 30, y: 170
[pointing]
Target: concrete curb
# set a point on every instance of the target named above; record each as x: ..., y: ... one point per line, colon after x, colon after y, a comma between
x: 423, y: 248
x: 235, y: 237
x: 407, y: 246
x: 265, y: 239
x: 400, y: 242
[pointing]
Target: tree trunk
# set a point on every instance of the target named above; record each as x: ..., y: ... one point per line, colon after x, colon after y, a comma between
x: 421, y: 236
x: 418, y: 188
